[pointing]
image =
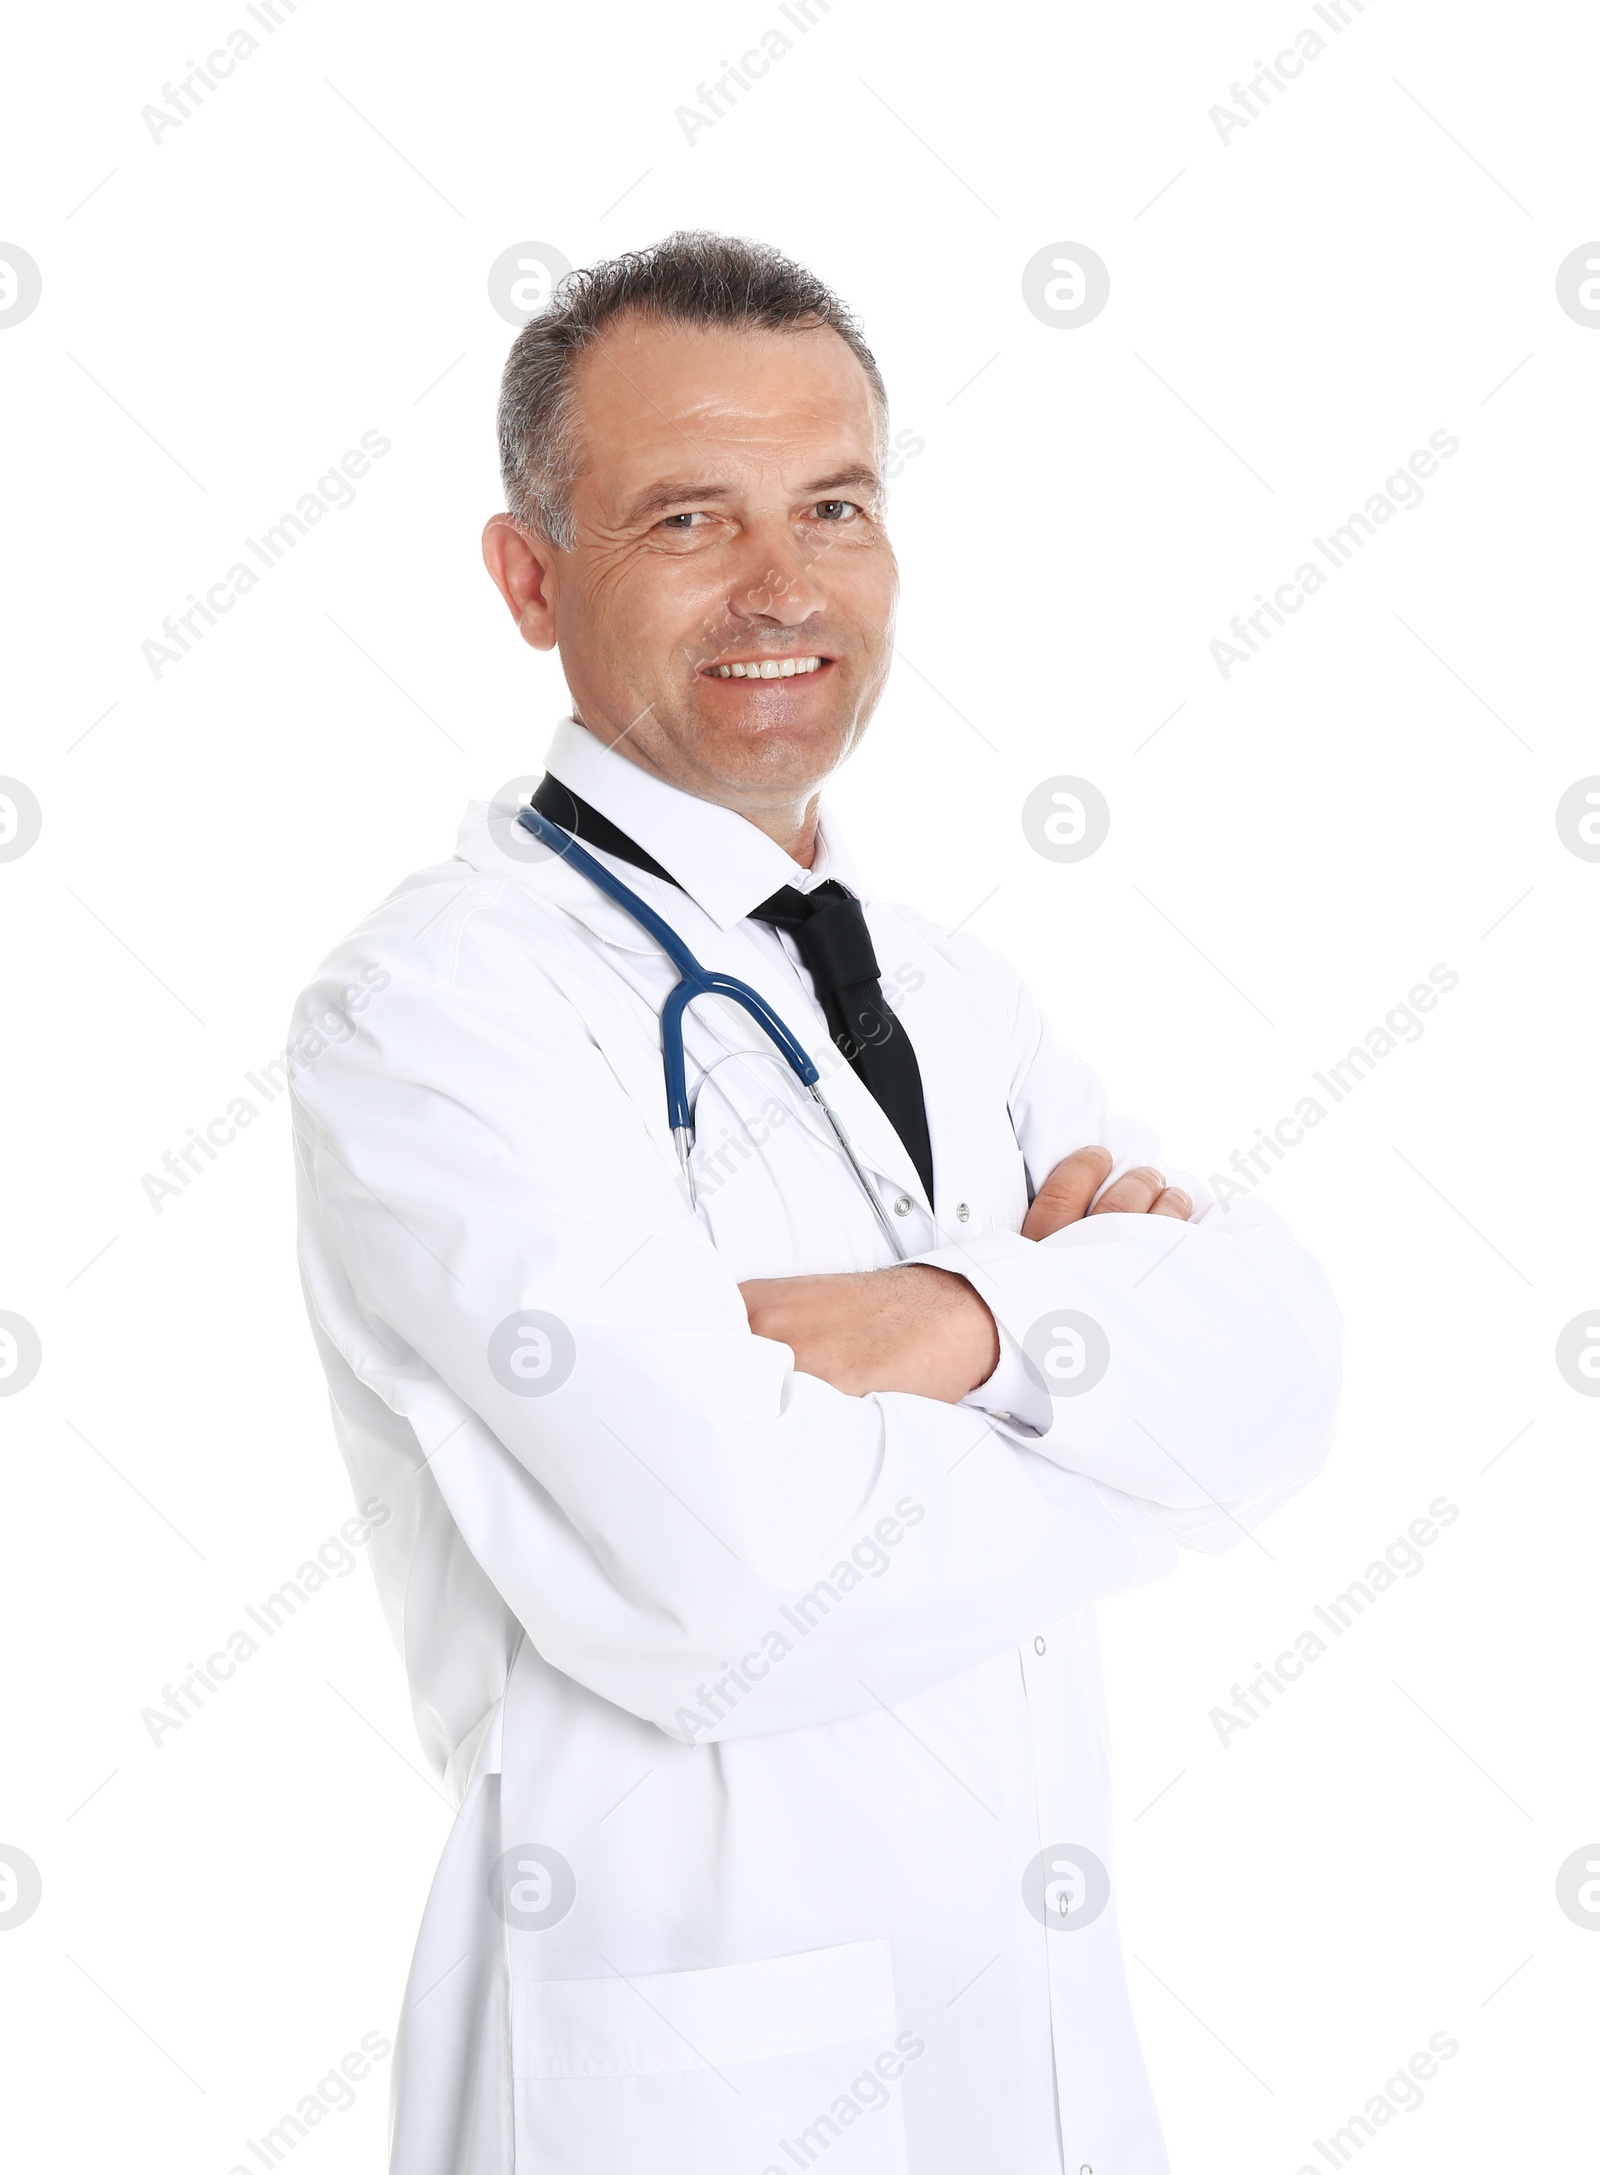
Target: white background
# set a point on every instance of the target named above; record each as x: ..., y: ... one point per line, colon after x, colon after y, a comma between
x: 1291, y: 849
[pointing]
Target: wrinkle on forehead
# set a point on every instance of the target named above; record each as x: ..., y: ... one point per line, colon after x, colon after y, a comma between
x: 765, y: 408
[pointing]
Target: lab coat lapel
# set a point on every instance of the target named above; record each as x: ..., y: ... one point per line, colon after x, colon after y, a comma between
x: 574, y: 893
x: 723, y: 1024
x: 872, y: 1134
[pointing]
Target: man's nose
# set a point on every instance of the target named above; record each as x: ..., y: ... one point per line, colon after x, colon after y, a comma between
x: 776, y: 581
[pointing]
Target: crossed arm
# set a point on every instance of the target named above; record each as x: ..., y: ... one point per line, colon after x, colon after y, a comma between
x: 922, y: 1329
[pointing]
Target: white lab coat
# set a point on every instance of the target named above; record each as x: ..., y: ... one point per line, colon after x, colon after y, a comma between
x: 772, y: 1695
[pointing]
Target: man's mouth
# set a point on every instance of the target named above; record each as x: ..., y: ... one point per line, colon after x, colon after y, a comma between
x: 764, y: 668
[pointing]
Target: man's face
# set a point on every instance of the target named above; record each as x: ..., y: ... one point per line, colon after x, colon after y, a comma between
x: 729, y: 515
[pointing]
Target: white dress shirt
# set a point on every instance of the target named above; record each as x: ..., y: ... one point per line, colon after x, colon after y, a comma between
x: 773, y: 1715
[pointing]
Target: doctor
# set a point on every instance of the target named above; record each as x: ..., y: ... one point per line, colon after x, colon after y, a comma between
x: 748, y: 1523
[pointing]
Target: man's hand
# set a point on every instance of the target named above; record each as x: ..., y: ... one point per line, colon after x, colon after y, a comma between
x: 925, y: 1330
x: 912, y: 1328
x: 1066, y: 1193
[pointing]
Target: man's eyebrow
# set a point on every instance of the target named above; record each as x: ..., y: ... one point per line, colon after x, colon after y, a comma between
x: 662, y: 498
x: 859, y: 477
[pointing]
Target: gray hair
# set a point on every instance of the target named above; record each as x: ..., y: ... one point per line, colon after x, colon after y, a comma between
x: 691, y: 278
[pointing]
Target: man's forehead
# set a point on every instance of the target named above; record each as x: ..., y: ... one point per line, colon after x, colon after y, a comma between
x: 655, y: 399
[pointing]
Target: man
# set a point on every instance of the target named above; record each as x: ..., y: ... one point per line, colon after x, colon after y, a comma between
x: 745, y: 1574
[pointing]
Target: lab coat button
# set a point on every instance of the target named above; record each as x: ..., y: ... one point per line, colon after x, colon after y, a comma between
x: 1038, y: 1646
x: 902, y: 1207
x: 962, y: 1212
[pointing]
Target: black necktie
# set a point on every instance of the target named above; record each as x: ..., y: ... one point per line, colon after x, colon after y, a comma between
x: 830, y: 930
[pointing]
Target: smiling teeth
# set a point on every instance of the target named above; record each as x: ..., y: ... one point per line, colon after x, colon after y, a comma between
x: 770, y: 668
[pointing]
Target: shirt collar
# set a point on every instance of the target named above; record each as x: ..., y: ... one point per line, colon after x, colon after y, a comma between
x: 722, y: 861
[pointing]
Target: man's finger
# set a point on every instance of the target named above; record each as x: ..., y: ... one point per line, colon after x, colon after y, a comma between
x: 1066, y: 1193
x: 1173, y: 1201
x: 1133, y: 1192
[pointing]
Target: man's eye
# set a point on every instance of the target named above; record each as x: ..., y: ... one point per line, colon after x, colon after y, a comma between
x: 680, y: 522
x: 835, y: 509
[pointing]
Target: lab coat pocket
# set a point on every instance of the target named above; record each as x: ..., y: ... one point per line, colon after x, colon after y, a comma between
x: 731, y: 2071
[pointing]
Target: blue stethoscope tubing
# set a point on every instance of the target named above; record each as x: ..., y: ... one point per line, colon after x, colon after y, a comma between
x: 695, y: 980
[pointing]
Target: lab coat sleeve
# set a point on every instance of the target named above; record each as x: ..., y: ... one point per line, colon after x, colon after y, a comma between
x: 493, y: 1238
x: 1194, y: 1367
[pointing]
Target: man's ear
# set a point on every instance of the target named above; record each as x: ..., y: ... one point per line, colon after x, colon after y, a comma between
x: 522, y: 568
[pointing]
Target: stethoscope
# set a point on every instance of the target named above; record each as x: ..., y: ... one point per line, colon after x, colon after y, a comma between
x: 694, y: 980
